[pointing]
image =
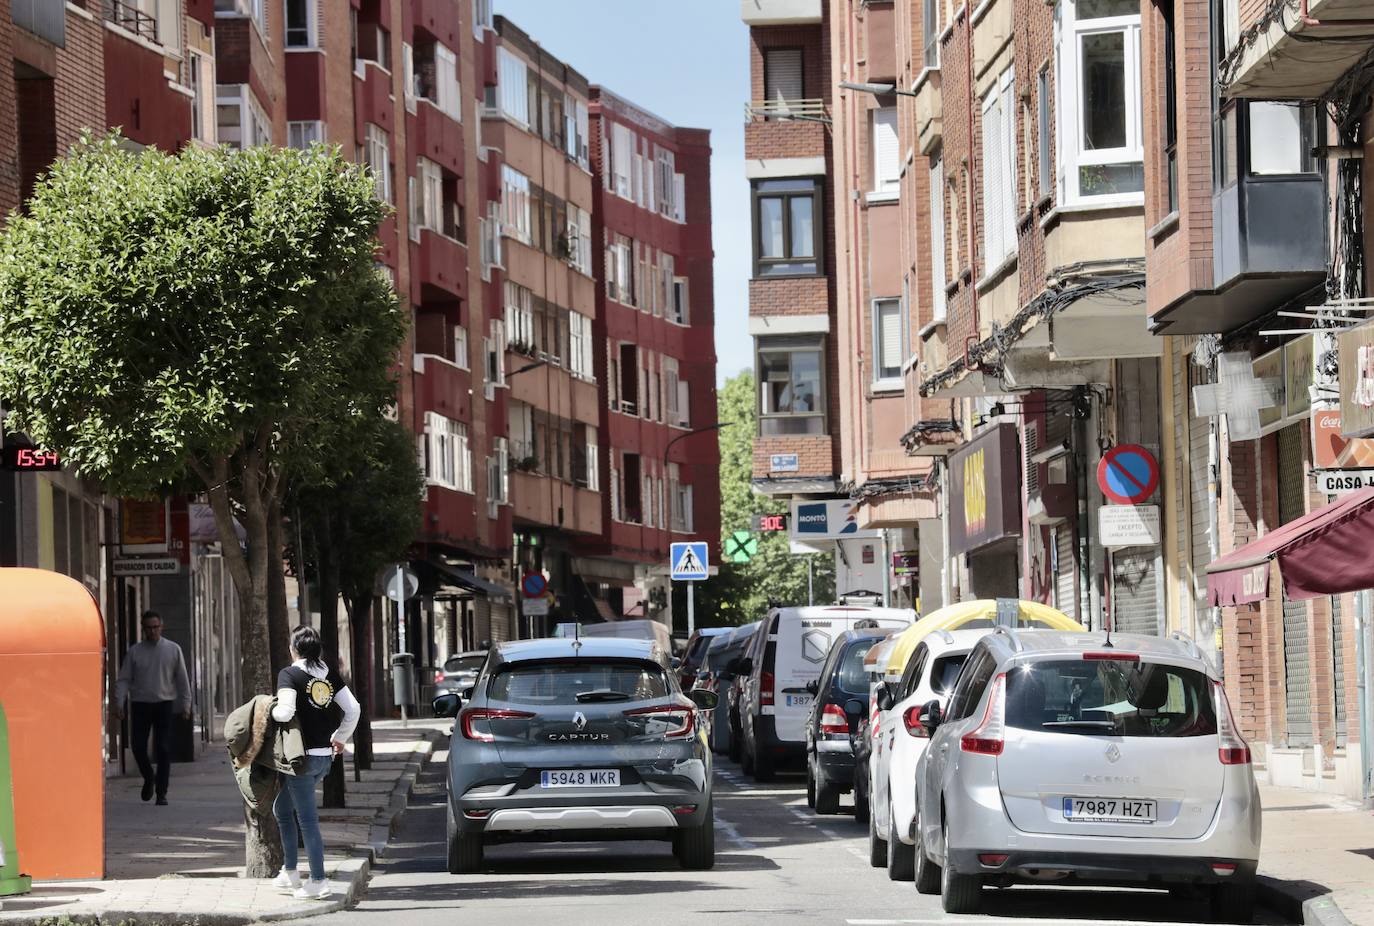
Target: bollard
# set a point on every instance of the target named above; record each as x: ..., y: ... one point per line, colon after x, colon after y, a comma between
x: 11, y: 881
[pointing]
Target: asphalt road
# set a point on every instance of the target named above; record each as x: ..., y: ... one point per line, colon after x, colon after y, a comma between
x: 775, y: 861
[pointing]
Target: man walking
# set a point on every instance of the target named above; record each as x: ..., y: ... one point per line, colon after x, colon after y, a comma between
x: 154, y: 680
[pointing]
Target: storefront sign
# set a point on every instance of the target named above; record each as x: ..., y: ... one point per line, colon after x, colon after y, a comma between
x: 1331, y: 449
x: 146, y: 566
x: 1357, y: 381
x: 144, y: 526
x: 827, y: 519
x: 1342, y: 481
x: 984, y: 490
x: 1298, y: 372
x: 1270, y: 366
x: 906, y: 563
x: 1128, y: 525
x: 783, y: 463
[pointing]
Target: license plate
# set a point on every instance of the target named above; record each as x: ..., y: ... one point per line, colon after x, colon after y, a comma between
x: 798, y: 700
x: 1108, y: 810
x: 581, y: 778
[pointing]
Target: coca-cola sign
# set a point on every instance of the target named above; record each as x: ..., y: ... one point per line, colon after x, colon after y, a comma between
x: 1331, y: 449
x: 1357, y: 381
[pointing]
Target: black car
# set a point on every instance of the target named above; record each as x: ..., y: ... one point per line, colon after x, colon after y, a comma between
x: 840, y: 704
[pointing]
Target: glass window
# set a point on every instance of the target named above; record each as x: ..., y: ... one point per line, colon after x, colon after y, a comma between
x: 770, y: 227
x: 1100, y: 96
x: 930, y: 25
x: 1104, y: 91
x: 786, y: 227
x: 299, y: 33
x: 968, y: 691
x: 791, y: 397
x: 945, y: 672
x: 1046, y: 172
x: 887, y: 340
x: 1111, y: 697
x: 1282, y: 136
x: 850, y: 675
x: 584, y: 681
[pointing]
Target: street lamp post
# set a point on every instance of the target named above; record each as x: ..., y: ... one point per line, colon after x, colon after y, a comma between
x: 691, y: 585
x: 876, y: 89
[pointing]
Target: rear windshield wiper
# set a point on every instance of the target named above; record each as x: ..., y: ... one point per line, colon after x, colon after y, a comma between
x: 1090, y: 724
x: 601, y: 694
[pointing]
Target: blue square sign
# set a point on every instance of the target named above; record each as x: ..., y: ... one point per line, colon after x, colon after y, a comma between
x: 688, y: 561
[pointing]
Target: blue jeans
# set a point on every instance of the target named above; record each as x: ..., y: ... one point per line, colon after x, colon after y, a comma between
x: 297, y: 802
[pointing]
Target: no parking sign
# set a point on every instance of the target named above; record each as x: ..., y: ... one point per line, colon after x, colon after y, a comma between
x: 1128, y: 474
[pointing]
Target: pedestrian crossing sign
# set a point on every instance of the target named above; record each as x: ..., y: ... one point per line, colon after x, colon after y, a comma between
x: 688, y: 562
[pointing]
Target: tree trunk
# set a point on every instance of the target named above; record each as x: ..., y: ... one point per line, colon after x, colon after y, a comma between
x: 360, y: 627
x: 278, y: 619
x: 327, y: 566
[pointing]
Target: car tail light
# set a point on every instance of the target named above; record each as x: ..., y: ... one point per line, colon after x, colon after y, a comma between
x: 474, y: 715
x: 685, y: 717
x: 685, y: 810
x: 1231, y: 746
x: 766, y: 688
x: 986, y: 738
x: 1222, y: 869
x: 992, y: 859
x: 1113, y: 657
x: 477, y: 814
x: 833, y: 720
x: 912, y: 720
x: 438, y: 676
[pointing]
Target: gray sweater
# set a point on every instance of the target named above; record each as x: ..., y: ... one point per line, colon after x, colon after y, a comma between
x: 154, y: 672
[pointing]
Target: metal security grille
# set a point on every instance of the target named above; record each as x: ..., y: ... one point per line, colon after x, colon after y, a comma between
x: 500, y: 623
x: 1066, y: 579
x: 1199, y: 505
x: 1296, y: 666
x: 1338, y: 667
x: 1135, y: 608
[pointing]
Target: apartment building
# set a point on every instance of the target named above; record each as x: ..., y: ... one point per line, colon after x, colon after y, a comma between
x: 1255, y: 268
x: 655, y: 317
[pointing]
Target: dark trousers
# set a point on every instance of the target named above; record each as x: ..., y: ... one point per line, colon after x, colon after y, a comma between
x: 154, y: 716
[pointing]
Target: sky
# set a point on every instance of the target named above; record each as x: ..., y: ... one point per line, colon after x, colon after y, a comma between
x: 688, y: 62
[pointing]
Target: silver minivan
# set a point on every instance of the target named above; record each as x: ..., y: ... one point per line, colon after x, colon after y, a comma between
x: 1079, y: 758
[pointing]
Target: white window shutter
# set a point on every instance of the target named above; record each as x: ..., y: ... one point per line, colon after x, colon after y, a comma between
x: 1009, y: 197
x: 782, y: 74
x: 684, y: 411
x: 937, y: 238
x: 886, y: 151
x: 889, y: 335
x: 992, y: 180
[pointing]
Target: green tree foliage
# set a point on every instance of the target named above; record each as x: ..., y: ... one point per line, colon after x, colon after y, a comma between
x: 741, y: 592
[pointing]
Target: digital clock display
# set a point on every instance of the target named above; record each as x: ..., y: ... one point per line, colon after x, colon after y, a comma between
x: 770, y: 522
x: 23, y: 459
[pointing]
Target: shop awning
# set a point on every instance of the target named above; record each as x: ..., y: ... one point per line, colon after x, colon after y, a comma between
x: 467, y: 580
x: 1328, y: 552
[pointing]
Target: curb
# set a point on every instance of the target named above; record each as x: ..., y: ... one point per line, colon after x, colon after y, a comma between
x: 349, y: 877
x: 1298, y: 905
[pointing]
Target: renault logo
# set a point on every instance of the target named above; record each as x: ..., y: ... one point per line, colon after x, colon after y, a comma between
x: 1113, y: 752
x: 579, y: 721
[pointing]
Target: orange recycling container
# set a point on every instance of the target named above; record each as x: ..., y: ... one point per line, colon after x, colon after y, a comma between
x: 52, y: 684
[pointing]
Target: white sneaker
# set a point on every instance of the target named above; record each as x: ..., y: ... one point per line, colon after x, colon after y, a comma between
x: 287, y: 882
x: 312, y: 890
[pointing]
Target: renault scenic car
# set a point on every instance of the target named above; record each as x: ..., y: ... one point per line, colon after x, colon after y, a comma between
x: 578, y: 739
x: 1078, y: 758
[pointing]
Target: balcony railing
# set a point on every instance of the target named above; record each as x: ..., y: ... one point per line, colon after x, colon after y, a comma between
x: 129, y: 17
x: 786, y: 110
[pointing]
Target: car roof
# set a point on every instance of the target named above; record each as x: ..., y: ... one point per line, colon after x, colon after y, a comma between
x: 585, y: 648
x: 940, y: 642
x: 1067, y: 641
x: 711, y: 631
x: 854, y: 611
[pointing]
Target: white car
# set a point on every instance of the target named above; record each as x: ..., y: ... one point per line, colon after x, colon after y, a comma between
x: 929, y: 675
x: 1081, y: 759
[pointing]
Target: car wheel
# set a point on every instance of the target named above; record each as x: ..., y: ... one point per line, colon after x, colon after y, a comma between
x: 810, y: 786
x: 927, y: 874
x: 695, y: 847
x: 959, y: 893
x: 746, y: 757
x: 464, y: 849
x: 732, y: 742
x: 827, y: 799
x: 763, y: 764
x: 861, y: 808
x: 1233, y: 903
x: 901, y: 860
x: 877, y: 846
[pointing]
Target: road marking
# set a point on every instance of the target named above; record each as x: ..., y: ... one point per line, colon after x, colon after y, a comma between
x: 733, y: 834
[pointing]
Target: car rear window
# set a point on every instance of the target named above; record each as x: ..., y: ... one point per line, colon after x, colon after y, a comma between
x: 1110, y: 697
x: 850, y: 676
x: 946, y: 671
x: 578, y: 682
x: 464, y: 663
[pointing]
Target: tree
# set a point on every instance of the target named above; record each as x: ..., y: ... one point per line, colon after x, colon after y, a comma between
x: 213, y: 316
x: 740, y: 593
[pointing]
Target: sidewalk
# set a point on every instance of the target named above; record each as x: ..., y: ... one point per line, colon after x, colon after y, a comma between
x: 182, y: 863
x: 1317, y: 860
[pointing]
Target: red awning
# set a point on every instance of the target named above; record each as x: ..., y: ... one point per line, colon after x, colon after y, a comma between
x: 1328, y: 552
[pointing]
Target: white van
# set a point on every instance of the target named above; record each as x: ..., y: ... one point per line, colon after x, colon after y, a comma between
x: 774, y: 701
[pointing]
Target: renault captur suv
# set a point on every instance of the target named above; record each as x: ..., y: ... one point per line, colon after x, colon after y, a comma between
x: 1084, y: 758
x: 578, y: 739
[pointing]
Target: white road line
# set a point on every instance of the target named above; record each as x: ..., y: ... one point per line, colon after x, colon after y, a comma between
x: 733, y: 834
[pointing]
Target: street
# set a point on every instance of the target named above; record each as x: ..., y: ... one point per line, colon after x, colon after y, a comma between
x: 774, y: 859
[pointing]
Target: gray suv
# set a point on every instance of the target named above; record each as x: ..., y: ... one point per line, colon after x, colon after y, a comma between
x: 576, y: 740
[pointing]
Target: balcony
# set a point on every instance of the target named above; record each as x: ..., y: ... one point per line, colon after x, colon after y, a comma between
x: 1293, y: 57
x: 130, y: 18
x: 779, y: 12
x: 786, y: 111
x: 439, y: 263
x: 930, y: 110
x: 438, y: 137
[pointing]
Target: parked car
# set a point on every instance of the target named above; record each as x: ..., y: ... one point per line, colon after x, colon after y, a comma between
x: 734, y: 679
x: 694, y: 653
x: 1079, y: 758
x: 773, y: 699
x: 578, y: 739
x: 637, y: 629
x: 840, y: 702
x: 861, y: 739
x: 459, y: 672
x: 928, y: 675
x: 713, y: 675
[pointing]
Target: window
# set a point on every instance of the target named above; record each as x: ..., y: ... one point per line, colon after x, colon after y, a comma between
x: 586, y: 458
x: 304, y: 134
x: 1101, y: 150
x: 436, y: 80
x: 524, y: 451
x: 257, y: 9
x: 1027, y: 156
x: 887, y: 342
x: 515, y: 204
x: 519, y: 304
x: 489, y: 228
x: 460, y: 347
x: 930, y: 26
x: 681, y: 305
x: 575, y: 130
x: 432, y: 202
x: 201, y: 76
x: 498, y: 473
x: 300, y: 23
x: 887, y: 156
x: 620, y: 270
x: 377, y: 156
x: 240, y: 121
x: 448, y: 455
x: 973, y: 681
x: 782, y: 76
x: 622, y: 160
x: 629, y: 379
x: 481, y: 17
x: 679, y: 198
x: 680, y: 498
x: 580, y: 360
x: 513, y: 87
x: 579, y: 240
x: 1281, y: 136
x: 496, y: 354
x: 999, y: 172
x: 791, y: 386
x: 787, y: 219
x: 937, y: 238
x: 1107, y: 697
x: 632, y: 489
x: 1042, y: 99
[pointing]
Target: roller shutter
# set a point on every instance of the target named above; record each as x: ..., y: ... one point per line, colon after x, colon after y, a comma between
x: 1135, y: 603
x: 1338, y: 667
x: 1296, y: 645
x: 1199, y: 505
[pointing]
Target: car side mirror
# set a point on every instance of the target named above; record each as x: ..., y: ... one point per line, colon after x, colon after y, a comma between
x: 932, y: 715
x: 884, y: 698
x: 446, y: 705
x: 704, y: 699
x: 855, y: 709
x: 813, y: 686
